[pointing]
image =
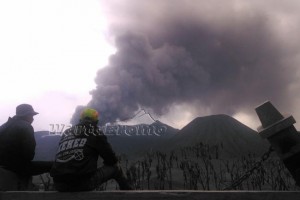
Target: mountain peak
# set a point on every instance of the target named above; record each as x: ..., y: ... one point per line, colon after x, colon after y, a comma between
x: 218, y: 117
x: 220, y: 129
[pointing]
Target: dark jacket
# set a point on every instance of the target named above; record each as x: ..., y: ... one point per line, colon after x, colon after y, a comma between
x: 17, y: 144
x: 78, y: 153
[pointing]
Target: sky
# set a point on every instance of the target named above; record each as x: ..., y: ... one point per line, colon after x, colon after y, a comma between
x: 175, y: 59
x: 50, y: 53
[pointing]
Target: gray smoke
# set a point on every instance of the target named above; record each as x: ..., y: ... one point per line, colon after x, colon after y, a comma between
x: 195, y: 52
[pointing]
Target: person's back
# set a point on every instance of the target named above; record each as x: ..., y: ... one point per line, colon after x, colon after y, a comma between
x: 75, y: 167
x: 78, y: 152
x: 17, y: 144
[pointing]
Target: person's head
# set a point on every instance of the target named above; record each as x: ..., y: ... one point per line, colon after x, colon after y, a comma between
x: 89, y: 115
x: 25, y: 112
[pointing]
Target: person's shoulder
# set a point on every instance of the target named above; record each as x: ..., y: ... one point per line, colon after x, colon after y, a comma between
x: 98, y: 132
x: 95, y: 134
x: 20, y: 126
x: 19, y: 123
x: 69, y: 131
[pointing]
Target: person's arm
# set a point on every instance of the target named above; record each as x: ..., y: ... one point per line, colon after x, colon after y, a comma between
x: 105, y: 151
x: 28, y: 143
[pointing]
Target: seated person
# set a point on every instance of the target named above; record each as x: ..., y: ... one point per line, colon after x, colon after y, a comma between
x: 17, y: 145
x: 75, y: 167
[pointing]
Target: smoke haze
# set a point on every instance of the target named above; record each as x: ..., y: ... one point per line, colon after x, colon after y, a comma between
x: 225, y: 58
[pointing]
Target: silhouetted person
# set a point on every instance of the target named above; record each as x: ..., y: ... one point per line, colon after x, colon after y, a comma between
x: 17, y: 145
x: 75, y: 167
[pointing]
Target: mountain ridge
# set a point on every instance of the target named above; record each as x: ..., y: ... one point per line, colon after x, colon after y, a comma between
x: 236, y: 138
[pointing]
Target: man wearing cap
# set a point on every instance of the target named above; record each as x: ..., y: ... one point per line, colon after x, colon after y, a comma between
x: 75, y: 167
x: 17, y: 144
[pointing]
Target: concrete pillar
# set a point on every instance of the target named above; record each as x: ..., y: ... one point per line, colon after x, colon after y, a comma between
x: 282, y: 135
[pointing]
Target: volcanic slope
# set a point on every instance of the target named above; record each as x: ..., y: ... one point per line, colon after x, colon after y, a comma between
x: 233, y: 137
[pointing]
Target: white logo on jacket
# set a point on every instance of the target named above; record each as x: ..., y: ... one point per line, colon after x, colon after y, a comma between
x: 71, y: 149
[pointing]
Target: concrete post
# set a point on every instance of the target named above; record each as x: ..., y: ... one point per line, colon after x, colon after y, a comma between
x: 282, y: 135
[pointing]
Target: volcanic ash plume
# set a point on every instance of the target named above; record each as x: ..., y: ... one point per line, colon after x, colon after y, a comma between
x: 178, y: 52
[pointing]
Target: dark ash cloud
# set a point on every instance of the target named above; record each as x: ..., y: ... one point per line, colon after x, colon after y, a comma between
x: 172, y: 52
